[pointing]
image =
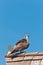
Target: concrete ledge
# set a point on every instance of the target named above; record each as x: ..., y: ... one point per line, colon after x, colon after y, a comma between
x: 25, y: 54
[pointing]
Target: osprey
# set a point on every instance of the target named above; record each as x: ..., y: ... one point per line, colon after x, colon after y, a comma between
x: 21, y: 45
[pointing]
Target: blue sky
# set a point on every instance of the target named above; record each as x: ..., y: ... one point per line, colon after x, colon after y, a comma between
x: 18, y: 18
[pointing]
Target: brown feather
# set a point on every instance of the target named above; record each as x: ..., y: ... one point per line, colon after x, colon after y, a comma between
x: 21, y: 41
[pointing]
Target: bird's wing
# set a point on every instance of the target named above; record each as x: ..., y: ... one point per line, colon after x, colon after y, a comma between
x: 19, y: 47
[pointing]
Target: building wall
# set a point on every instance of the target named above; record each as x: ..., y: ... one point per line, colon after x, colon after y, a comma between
x: 34, y: 58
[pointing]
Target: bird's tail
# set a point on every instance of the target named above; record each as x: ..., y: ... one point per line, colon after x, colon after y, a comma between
x: 9, y: 49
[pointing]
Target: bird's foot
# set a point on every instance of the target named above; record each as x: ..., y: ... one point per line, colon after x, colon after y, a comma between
x: 22, y: 51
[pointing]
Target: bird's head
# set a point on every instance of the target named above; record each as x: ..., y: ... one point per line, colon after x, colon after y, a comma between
x: 26, y: 37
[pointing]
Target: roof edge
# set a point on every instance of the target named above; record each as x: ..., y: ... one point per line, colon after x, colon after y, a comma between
x: 25, y: 54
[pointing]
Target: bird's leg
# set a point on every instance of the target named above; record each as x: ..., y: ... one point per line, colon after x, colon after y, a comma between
x: 22, y: 51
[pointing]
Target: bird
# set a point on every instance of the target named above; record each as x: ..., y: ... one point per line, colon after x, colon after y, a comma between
x: 21, y: 45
